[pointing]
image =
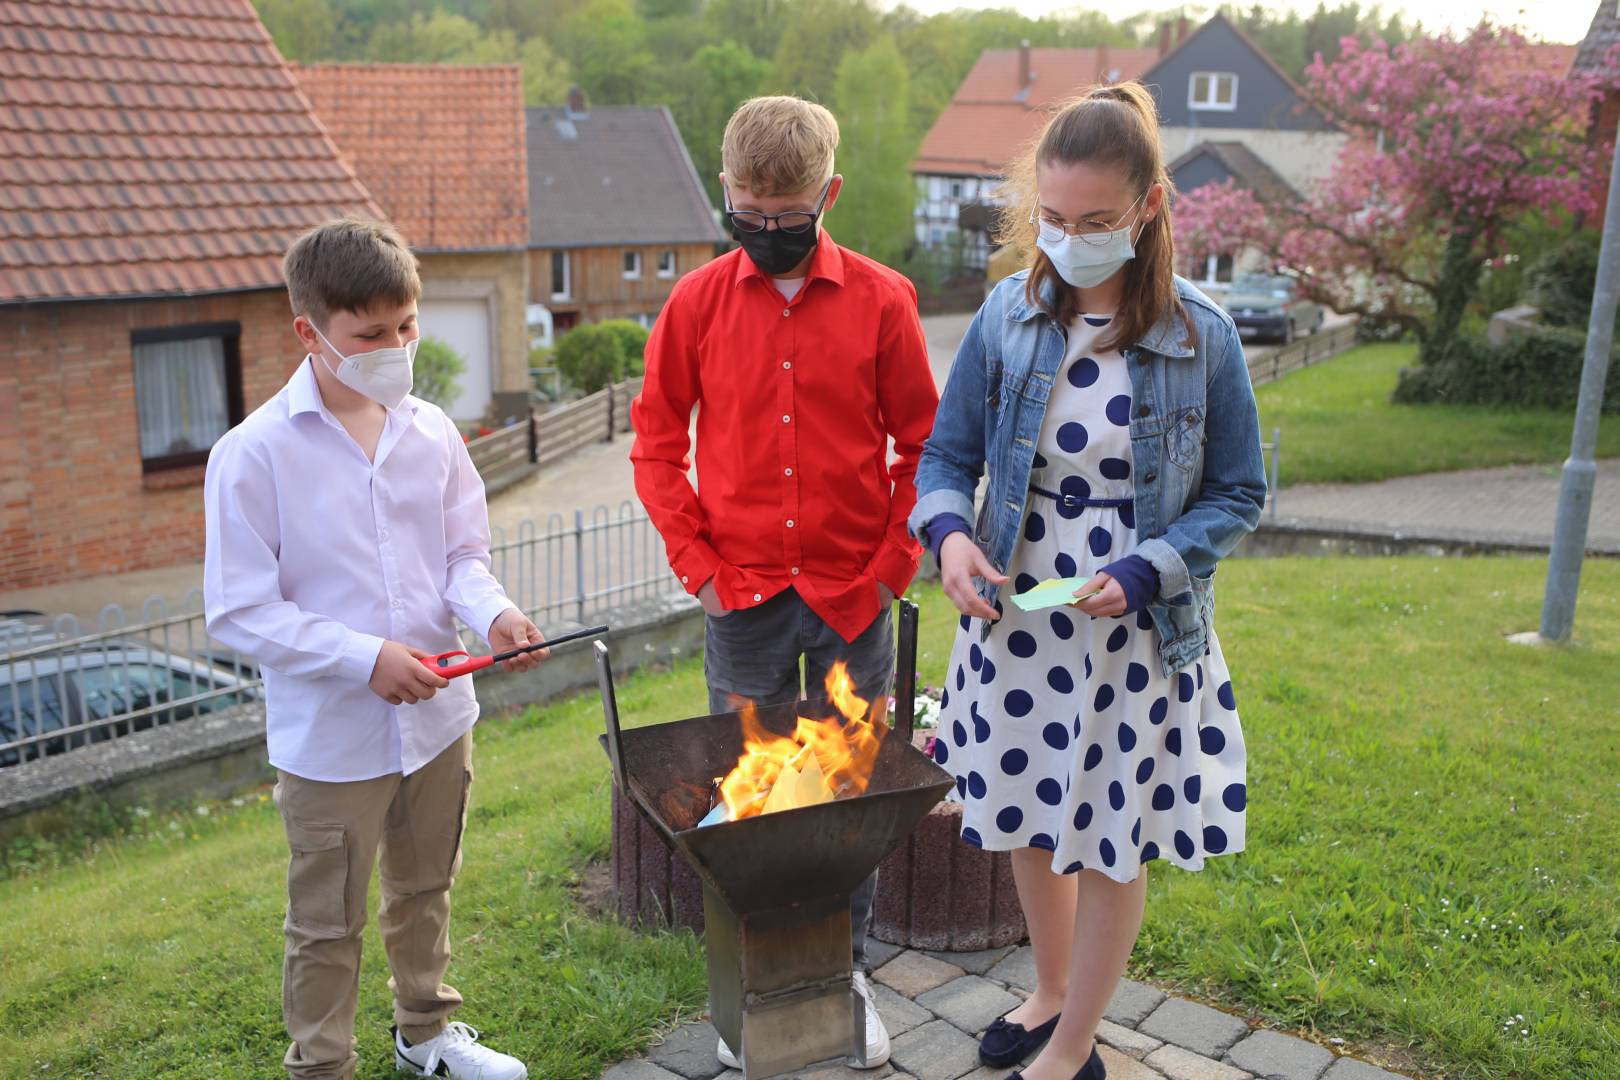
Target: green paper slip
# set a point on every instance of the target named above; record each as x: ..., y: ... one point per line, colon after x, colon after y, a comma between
x: 1053, y: 592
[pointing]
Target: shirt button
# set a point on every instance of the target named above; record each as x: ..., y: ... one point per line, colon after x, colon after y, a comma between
x: 795, y: 571
x: 683, y: 579
x: 787, y: 472
x: 787, y: 365
x: 1150, y: 477
x: 786, y: 419
x: 790, y: 523
x: 785, y: 313
x: 758, y: 598
x: 1143, y: 411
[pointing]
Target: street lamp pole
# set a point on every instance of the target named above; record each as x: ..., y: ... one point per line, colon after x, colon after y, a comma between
x: 1580, y: 470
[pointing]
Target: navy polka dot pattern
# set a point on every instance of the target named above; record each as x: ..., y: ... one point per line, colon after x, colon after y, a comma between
x: 1062, y: 732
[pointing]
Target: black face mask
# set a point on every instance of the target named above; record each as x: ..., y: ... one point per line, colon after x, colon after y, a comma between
x: 776, y: 252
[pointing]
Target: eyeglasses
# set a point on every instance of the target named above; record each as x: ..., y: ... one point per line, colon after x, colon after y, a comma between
x: 789, y: 221
x: 1090, y: 231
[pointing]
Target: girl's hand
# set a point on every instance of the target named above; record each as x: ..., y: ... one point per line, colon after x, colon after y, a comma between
x: 960, y: 561
x: 1108, y: 603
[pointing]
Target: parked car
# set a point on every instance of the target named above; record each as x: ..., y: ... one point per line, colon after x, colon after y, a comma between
x: 1269, y: 306
x: 104, y: 680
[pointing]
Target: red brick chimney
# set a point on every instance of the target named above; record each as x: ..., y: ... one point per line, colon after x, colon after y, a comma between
x: 1164, y: 38
x: 1023, y: 64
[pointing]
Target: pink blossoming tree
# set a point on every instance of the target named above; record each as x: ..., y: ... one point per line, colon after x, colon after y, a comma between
x: 1216, y: 219
x: 1451, y: 142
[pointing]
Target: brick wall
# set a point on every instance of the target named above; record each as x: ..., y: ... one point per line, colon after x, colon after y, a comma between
x: 73, y: 500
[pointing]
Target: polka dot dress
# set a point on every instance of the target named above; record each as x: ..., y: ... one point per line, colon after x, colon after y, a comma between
x: 1061, y: 730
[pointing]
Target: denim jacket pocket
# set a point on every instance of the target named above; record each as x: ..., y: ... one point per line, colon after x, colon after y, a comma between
x: 1184, y: 440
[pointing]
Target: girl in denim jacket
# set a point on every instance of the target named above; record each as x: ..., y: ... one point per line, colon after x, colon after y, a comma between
x: 1110, y: 402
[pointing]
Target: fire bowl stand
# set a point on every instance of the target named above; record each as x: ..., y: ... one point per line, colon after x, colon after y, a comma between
x: 776, y: 887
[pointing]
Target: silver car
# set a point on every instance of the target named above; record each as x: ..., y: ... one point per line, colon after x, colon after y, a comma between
x: 1269, y: 306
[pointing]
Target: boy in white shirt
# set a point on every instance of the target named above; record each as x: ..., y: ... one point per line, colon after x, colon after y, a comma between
x: 346, y: 531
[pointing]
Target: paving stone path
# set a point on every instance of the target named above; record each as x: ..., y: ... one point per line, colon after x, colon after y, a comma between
x: 936, y: 1004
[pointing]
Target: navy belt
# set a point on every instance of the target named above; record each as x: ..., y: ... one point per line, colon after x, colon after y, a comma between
x: 1072, y: 502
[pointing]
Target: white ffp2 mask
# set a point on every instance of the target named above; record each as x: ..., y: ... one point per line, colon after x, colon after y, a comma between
x: 383, y: 375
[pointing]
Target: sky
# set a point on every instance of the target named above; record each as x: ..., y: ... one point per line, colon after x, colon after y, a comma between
x: 1552, y: 20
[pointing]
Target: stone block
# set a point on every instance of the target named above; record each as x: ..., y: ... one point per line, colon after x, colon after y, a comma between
x: 1126, y: 1041
x: 1196, y: 1027
x: 1133, y: 1002
x: 1178, y: 1064
x: 970, y: 1003
x: 689, y: 1051
x: 1271, y: 1055
x: 913, y: 973
x: 936, y: 1051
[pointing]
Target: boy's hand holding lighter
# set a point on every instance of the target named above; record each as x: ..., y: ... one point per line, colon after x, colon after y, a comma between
x: 400, y: 677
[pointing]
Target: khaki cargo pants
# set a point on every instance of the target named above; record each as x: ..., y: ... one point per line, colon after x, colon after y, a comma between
x: 334, y: 831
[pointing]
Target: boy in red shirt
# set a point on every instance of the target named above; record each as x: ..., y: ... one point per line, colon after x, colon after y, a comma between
x: 803, y: 359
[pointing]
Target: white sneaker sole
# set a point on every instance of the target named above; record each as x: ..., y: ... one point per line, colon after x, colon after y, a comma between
x: 404, y: 1064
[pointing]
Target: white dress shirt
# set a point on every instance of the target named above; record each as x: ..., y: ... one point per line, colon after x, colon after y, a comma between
x: 316, y: 556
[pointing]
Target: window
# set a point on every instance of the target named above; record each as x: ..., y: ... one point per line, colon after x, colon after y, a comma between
x: 632, y: 266
x: 666, y: 264
x: 30, y: 707
x: 956, y: 189
x: 1212, y: 90
x: 560, y: 284
x: 1218, y: 269
x: 936, y: 236
x: 188, y: 391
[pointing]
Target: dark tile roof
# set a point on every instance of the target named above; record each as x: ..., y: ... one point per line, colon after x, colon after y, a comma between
x: 614, y: 175
x: 1245, y: 167
x: 153, y: 147
x: 1592, y: 55
x: 440, y: 147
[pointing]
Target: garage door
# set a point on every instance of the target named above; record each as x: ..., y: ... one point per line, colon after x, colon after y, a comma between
x: 464, y: 326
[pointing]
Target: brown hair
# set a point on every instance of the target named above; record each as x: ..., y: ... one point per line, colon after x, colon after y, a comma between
x: 779, y: 145
x: 349, y: 264
x: 1114, y: 125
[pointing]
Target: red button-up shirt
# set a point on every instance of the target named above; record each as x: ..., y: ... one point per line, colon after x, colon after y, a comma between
x: 797, y: 401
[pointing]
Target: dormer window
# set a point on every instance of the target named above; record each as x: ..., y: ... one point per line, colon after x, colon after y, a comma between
x: 1215, y: 90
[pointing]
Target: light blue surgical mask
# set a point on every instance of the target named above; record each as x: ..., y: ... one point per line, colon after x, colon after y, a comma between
x: 1089, y: 259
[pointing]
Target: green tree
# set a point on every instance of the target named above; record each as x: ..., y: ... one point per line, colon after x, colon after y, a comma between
x: 441, y: 38
x: 606, y: 43
x: 874, y: 212
x: 816, y: 35
x: 713, y: 83
x: 632, y: 339
x: 546, y: 76
x: 589, y: 357
x: 304, y: 30
x: 435, y: 371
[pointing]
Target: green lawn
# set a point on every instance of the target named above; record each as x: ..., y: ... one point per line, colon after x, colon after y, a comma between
x: 1338, y: 425
x: 1431, y: 852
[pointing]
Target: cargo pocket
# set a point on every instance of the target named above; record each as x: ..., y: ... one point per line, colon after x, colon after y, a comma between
x: 461, y: 822
x: 318, y: 879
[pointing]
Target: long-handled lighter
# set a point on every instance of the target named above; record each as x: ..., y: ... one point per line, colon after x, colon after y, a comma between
x: 445, y: 664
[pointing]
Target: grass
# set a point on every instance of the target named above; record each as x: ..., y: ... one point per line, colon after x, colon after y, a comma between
x: 1431, y: 853
x: 1338, y: 425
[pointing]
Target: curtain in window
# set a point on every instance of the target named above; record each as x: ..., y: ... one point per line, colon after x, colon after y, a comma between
x: 180, y: 396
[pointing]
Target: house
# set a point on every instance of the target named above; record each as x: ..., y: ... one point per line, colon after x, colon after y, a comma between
x: 998, y: 110
x: 156, y: 159
x: 616, y: 213
x: 1213, y: 163
x: 1218, y: 86
x: 1596, y: 56
x: 441, y: 149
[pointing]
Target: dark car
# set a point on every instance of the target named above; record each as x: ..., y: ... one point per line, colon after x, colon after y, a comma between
x: 1269, y: 306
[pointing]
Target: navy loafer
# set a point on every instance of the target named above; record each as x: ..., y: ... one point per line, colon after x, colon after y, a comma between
x: 1092, y: 1070
x: 1006, y: 1044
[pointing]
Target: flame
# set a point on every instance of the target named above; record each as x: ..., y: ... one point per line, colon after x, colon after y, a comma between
x: 825, y: 759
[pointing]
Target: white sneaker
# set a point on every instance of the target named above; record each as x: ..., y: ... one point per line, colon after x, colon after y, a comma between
x: 877, y: 1036
x: 455, y: 1053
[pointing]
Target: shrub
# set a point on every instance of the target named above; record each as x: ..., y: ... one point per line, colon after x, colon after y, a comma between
x: 632, y: 339
x: 1561, y: 282
x: 590, y: 358
x: 1536, y: 370
x: 434, y: 372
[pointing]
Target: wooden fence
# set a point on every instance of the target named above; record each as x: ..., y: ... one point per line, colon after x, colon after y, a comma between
x: 514, y: 452
x: 1302, y: 352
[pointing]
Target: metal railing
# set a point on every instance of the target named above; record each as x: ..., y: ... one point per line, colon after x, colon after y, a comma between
x: 62, y: 688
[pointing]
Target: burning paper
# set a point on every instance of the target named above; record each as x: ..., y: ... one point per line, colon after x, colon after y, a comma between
x: 824, y: 759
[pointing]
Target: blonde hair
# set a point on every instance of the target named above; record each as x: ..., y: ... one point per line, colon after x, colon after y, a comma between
x: 779, y: 146
x: 1115, y: 125
x: 349, y: 264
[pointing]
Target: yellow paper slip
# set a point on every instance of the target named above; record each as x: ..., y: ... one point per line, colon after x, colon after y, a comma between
x: 1053, y: 592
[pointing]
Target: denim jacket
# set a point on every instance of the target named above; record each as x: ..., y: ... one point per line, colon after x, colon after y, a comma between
x: 1195, y: 443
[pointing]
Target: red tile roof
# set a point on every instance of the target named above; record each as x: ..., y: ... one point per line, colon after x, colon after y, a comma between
x: 994, y: 114
x: 153, y: 147
x: 442, y: 148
